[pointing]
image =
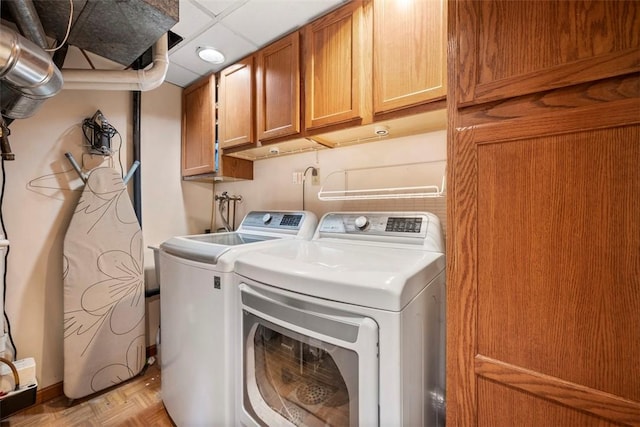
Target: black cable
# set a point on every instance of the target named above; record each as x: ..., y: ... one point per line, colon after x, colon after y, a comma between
x: 105, y: 130
x: 120, y: 154
x: 88, y: 124
x: 6, y: 258
x: 109, y: 131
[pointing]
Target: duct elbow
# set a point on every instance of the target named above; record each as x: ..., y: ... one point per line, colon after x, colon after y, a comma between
x: 28, y: 75
x: 154, y: 77
x: 129, y: 80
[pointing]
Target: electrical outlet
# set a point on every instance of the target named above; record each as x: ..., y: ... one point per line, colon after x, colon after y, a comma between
x: 315, y: 179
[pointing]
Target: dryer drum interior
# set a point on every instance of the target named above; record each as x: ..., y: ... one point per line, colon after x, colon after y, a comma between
x: 302, y: 381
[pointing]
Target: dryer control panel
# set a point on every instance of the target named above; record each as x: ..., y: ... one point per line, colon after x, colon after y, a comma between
x: 404, y: 225
x: 415, y: 228
x: 374, y: 223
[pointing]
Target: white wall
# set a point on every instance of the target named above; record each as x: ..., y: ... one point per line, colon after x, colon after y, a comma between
x: 42, y: 190
x: 170, y: 206
x: 407, y: 161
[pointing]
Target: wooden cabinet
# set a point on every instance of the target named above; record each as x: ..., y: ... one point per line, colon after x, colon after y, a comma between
x: 364, y: 63
x: 543, y: 290
x: 278, y: 88
x: 409, y: 53
x: 336, y: 75
x: 236, y: 103
x: 601, y: 41
x: 199, y: 137
x: 198, y: 127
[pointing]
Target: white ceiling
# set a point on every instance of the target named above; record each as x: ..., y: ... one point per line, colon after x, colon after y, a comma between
x: 236, y: 28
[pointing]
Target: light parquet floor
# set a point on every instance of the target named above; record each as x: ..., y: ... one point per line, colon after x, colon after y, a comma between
x: 134, y: 403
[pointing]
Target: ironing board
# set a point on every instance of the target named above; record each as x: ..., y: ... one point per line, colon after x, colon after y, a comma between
x: 104, y: 306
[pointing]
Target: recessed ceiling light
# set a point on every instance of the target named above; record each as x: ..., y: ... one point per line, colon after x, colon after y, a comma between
x: 210, y: 54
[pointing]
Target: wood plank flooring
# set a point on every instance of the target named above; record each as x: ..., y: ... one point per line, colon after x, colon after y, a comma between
x: 134, y: 403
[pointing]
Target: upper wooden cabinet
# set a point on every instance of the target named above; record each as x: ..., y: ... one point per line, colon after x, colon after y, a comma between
x: 366, y: 62
x: 278, y: 88
x: 199, y: 137
x: 602, y: 41
x: 409, y: 53
x: 236, y: 103
x: 336, y: 48
x: 198, y: 127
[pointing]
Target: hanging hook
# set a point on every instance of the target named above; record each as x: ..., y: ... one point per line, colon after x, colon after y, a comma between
x: 132, y: 170
x: 75, y: 165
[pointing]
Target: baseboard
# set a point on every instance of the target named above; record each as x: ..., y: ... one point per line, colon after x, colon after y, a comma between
x: 49, y: 393
x: 152, y: 350
x: 56, y: 390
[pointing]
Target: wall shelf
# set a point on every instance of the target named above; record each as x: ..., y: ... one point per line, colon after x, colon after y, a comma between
x: 374, y: 183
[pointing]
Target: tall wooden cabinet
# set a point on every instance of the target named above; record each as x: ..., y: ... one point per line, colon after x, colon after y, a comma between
x: 543, y: 274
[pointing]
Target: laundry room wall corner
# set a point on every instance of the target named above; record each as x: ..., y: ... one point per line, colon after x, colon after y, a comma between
x: 272, y: 186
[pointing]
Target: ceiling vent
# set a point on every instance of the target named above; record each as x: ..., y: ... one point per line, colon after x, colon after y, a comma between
x: 119, y: 30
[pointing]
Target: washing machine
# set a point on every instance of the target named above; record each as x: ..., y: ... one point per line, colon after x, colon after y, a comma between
x: 198, y: 310
x: 345, y: 329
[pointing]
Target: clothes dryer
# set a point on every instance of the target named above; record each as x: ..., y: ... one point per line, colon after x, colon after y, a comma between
x: 198, y: 309
x: 345, y: 329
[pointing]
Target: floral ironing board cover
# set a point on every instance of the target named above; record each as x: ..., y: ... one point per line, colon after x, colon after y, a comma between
x: 104, y: 305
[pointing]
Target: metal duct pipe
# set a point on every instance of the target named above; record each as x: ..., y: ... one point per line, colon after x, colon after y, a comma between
x: 131, y: 80
x: 27, y: 73
x: 28, y: 21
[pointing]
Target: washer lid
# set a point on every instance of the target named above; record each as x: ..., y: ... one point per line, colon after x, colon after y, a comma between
x: 256, y: 227
x: 210, y: 247
x: 380, y: 277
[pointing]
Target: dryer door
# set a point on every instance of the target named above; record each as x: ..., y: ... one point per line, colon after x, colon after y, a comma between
x: 306, y: 364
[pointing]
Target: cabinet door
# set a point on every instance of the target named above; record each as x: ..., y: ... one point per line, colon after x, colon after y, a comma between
x: 237, y: 105
x: 198, y: 127
x: 278, y: 88
x: 543, y: 283
x: 503, y: 55
x: 335, y: 48
x: 409, y: 53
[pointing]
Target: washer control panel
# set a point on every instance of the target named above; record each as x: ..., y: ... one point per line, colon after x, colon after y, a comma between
x: 376, y: 224
x: 274, y: 220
